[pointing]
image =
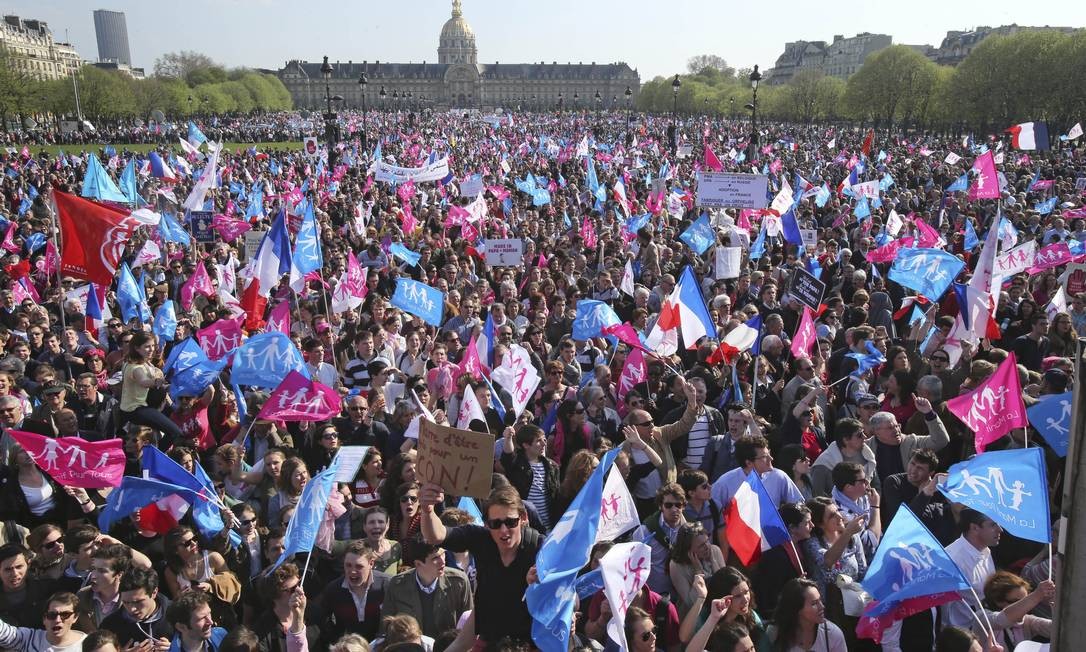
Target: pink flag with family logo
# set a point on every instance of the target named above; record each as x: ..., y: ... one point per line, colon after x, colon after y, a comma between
x: 986, y: 182
x: 299, y: 399
x: 51, y: 260
x: 9, y: 239
x: 806, y: 335
x: 995, y: 407
x: 73, y: 461
x: 634, y: 371
x: 888, y: 252
x: 279, y: 319
x: 472, y: 364
x: 229, y: 228
x: 198, y: 283
x: 220, y: 338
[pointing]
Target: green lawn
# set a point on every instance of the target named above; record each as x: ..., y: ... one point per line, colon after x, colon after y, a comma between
x: 145, y: 147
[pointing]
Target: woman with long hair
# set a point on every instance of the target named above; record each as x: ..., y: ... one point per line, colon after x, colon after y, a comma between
x: 793, y: 460
x: 800, y: 622
x: 692, y: 554
x: 834, y: 549
x: 324, y: 447
x: 292, y: 479
x: 190, y: 567
x: 140, y: 376
x: 406, y: 520
x: 367, y: 482
x: 580, y: 467
x: 1062, y: 336
x: 572, y: 432
x: 400, y: 470
x: 900, y: 387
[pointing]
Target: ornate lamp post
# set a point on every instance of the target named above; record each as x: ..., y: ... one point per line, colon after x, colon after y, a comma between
x: 330, y: 130
x: 628, y: 94
x: 755, y: 77
x: 362, y: 81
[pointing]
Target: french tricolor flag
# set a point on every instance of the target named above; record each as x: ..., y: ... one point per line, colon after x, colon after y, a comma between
x: 744, y: 337
x: 1029, y: 136
x: 753, y: 523
x: 160, y: 169
x: 686, y: 309
x: 164, y: 514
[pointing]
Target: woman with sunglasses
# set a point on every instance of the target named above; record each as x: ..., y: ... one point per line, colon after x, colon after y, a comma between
x: 191, y: 568
x: 641, y: 631
x: 406, y: 519
x: 325, y: 445
x: 47, y: 543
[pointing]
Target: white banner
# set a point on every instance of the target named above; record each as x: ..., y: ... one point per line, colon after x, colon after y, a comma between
x: 382, y: 171
x: 1016, y: 260
x: 865, y: 189
x: 618, y: 514
x: 625, y: 569
x: 730, y: 190
x: 517, y: 376
x: 728, y: 261
x: 952, y: 158
x: 471, y: 188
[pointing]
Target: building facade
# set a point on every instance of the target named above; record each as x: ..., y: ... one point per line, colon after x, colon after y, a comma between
x: 111, y: 31
x: 956, y: 46
x: 458, y: 80
x: 34, y: 52
x: 840, y: 58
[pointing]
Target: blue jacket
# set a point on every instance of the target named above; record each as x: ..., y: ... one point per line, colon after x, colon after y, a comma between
x: 217, y: 635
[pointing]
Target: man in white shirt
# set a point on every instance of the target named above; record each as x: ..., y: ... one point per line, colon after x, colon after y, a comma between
x: 321, y: 371
x: 972, y: 553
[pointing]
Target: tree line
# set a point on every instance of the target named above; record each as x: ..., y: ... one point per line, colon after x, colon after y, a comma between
x: 1028, y: 76
x: 182, y: 85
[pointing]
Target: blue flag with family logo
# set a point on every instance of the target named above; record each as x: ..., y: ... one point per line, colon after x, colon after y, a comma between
x: 165, y: 325
x: 420, y: 300
x: 302, y: 529
x: 1052, y: 418
x: 910, y: 564
x: 928, y: 271
x: 131, y: 300
x: 1045, y: 207
x: 264, y: 360
x: 183, y: 355
x: 592, y: 317
x: 1010, y: 487
x: 172, y: 231
x: 195, y: 380
x: 699, y: 236
x: 398, y: 250
x: 961, y: 184
x: 563, y: 554
x: 863, y: 208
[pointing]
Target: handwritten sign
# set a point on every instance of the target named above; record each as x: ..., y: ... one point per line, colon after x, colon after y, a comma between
x: 730, y: 190
x: 460, y: 461
x: 807, y: 288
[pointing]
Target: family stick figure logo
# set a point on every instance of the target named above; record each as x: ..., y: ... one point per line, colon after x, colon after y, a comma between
x: 994, y: 486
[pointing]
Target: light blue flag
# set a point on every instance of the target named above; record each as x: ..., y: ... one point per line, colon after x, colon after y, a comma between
x: 928, y: 271
x: 195, y: 380
x: 971, y: 240
x: 589, y: 584
x: 1010, y: 487
x: 129, y: 297
x: 99, y: 185
x: 822, y: 196
x: 867, y: 361
x: 128, y: 183
x: 165, y: 326
x: 420, y: 300
x: 398, y: 250
x: 593, y: 182
x: 541, y: 197
x: 36, y: 240
x: 264, y: 360
x: 301, y: 532
x: 910, y: 568
x: 195, y: 135
x: 563, y: 554
x: 863, y: 208
x: 592, y: 317
x: 757, y: 249
x: 255, y: 208
x: 239, y: 399
x: 1052, y: 418
x: 1046, y: 207
x: 886, y: 182
x: 634, y: 224
x: 307, y: 249
x: 183, y: 355
x: 467, y: 504
x: 961, y: 184
x: 136, y: 493
x: 205, y: 512
x: 700, y: 236
x: 24, y: 206
x: 172, y: 231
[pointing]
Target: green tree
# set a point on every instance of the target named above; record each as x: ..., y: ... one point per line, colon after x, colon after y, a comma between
x: 889, y: 84
x: 180, y: 65
x: 702, y: 62
x: 105, y: 95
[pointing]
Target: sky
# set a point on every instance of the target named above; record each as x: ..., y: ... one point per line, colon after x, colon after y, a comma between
x: 654, y: 37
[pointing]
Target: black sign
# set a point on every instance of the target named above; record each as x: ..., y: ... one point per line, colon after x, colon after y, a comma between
x: 806, y: 288
x: 200, y: 226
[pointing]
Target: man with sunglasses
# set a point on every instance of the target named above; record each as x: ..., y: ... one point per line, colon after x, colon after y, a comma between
x: 57, y: 634
x: 504, y: 551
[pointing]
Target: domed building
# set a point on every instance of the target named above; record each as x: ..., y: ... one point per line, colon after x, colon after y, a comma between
x: 458, y: 80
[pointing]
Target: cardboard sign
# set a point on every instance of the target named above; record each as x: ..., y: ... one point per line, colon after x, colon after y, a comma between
x: 806, y: 288
x: 1076, y: 279
x: 200, y: 226
x: 504, y: 253
x: 460, y: 461
x: 730, y: 190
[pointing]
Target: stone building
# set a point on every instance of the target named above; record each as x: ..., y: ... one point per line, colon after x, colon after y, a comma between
x: 957, y: 45
x: 33, y: 51
x: 458, y: 80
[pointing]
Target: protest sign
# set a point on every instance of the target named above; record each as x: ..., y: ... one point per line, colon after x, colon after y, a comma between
x: 200, y: 226
x: 311, y: 147
x: 387, y: 173
x: 252, y: 243
x: 504, y: 253
x: 472, y: 187
x: 809, y: 236
x: 684, y: 151
x: 460, y: 461
x: 1075, y: 279
x: 806, y: 288
x: 350, y: 460
x: 729, y: 190
x: 728, y: 261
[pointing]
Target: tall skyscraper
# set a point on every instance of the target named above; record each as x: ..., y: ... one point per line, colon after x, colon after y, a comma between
x: 112, y: 33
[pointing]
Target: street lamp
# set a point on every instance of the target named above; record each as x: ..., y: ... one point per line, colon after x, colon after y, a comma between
x: 329, y: 117
x: 755, y: 77
x: 731, y: 107
x: 675, y: 85
x: 362, y: 81
x: 559, y: 102
x: 672, y: 130
x: 383, y: 95
x: 599, y: 104
x: 629, y: 135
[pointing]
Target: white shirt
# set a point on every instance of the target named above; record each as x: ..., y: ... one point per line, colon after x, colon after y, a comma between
x: 777, y: 484
x: 977, y: 566
x: 324, y: 374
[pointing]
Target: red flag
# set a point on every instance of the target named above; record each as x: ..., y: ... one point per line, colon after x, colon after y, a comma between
x: 868, y: 139
x: 711, y: 161
x: 253, y: 304
x: 93, y: 236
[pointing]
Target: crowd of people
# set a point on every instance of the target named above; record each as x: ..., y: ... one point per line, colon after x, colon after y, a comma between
x: 399, y: 564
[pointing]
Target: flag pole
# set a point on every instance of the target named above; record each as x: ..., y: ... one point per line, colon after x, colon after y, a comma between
x: 754, y: 385
x: 983, y: 612
x: 799, y: 560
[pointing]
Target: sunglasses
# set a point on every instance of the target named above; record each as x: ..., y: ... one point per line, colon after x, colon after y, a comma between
x: 247, y: 522
x: 671, y: 505
x: 51, y: 544
x: 63, y: 615
x: 408, y: 499
x: 497, y: 523
x: 648, y: 423
x: 648, y: 635
x: 330, y: 435
x: 187, y: 543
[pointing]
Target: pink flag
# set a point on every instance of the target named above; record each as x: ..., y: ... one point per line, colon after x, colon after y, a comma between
x: 409, y: 221
x: 541, y: 261
x: 220, y: 338
x: 198, y: 283
x: 633, y: 372
x: 588, y: 233
x: 457, y: 216
x: 626, y: 333
x: 472, y: 364
x: 279, y: 319
x: 806, y: 335
x: 888, y: 252
x: 228, y: 228
x: 711, y: 161
x: 406, y: 191
x: 9, y: 239
x: 52, y: 260
x: 1053, y: 255
x: 73, y: 461
x: 19, y: 292
x: 300, y: 399
x: 31, y: 291
x: 929, y: 237
x: 995, y: 408
x: 986, y: 182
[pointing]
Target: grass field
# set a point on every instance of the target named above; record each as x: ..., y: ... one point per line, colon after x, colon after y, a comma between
x: 146, y: 147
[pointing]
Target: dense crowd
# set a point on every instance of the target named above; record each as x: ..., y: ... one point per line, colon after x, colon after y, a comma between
x: 840, y: 447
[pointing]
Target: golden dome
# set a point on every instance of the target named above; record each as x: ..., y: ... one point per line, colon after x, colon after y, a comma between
x: 456, y: 27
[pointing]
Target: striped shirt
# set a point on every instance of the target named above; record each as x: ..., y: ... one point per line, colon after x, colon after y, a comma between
x: 537, y: 493
x: 697, y: 442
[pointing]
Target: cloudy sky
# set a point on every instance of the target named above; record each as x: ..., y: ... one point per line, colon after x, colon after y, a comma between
x: 655, y: 37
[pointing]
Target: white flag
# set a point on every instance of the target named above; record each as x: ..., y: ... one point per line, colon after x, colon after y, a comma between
x: 952, y: 158
x: 469, y: 409
x: 517, y: 376
x: 727, y: 262
x: 894, y: 223
x: 627, y: 284
x: 1057, y: 305
x: 1075, y: 132
x: 617, y: 511
x: 625, y: 569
